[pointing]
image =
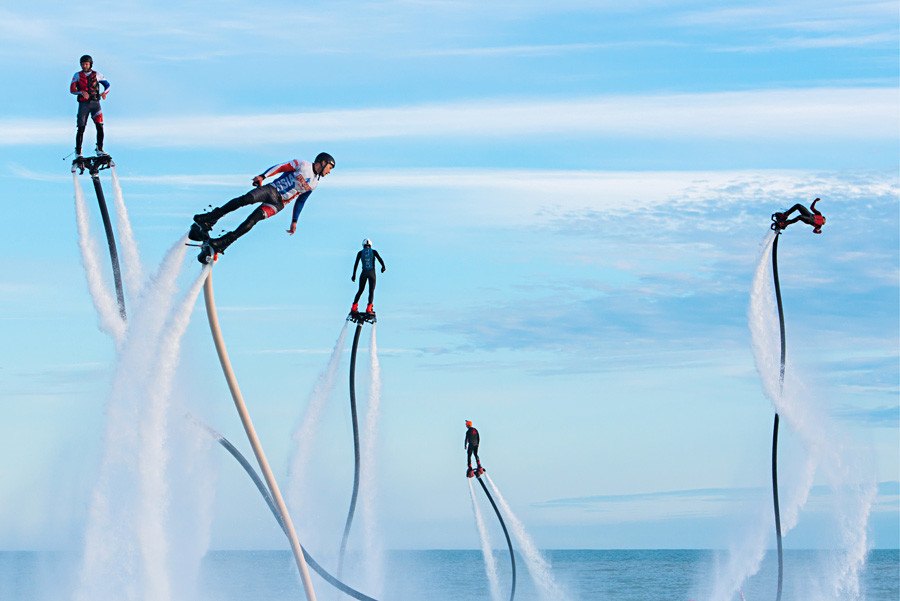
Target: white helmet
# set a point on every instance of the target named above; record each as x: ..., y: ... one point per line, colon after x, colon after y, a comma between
x: 367, y: 242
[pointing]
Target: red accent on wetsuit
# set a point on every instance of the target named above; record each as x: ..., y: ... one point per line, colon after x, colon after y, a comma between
x: 819, y: 220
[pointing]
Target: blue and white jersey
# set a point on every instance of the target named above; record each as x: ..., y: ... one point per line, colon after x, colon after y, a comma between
x: 297, y: 178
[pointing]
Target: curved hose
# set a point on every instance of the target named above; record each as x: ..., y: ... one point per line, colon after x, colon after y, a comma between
x: 512, y: 557
x: 260, y: 485
x: 355, y: 420
x: 272, y: 485
x: 775, y: 427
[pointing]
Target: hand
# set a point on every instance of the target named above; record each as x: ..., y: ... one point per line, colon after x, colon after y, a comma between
x: 293, y: 228
x: 353, y: 278
x: 85, y: 95
x: 257, y: 182
x: 382, y: 270
x: 103, y: 95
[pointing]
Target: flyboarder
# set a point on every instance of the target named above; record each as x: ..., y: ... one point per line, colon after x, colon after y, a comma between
x: 471, y: 446
x: 367, y: 256
x: 811, y: 216
x: 297, y: 181
x: 86, y: 86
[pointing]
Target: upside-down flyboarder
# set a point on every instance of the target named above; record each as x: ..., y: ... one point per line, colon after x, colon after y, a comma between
x: 296, y: 182
x: 810, y: 216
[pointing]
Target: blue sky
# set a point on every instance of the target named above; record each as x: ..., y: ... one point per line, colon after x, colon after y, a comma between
x: 570, y: 198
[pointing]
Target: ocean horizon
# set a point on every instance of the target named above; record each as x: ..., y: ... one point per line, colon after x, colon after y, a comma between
x: 617, y: 575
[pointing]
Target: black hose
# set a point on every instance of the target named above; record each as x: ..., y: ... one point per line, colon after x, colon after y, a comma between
x: 775, y: 427
x: 512, y: 557
x: 111, y: 241
x: 260, y: 485
x: 355, y: 420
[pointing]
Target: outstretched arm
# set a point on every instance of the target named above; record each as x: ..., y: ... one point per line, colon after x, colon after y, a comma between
x: 377, y: 256
x: 298, y: 206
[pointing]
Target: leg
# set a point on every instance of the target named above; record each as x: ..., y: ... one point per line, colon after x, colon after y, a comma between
x: 97, y: 116
x: 207, y: 220
x: 99, y: 136
x: 79, y: 137
x: 223, y: 242
x: 81, y: 123
x: 371, y: 277
x: 362, y: 286
x: 477, y: 460
x: 469, y: 450
x: 804, y: 213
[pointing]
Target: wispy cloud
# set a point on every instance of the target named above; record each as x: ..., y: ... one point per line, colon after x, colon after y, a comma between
x: 817, y: 114
x: 814, y: 43
x: 546, y: 49
x: 885, y: 489
x: 881, y: 417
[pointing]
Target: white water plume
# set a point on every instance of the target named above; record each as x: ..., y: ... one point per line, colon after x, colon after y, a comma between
x: 133, y: 272
x: 304, y: 436
x: 373, y: 566
x: 154, y: 451
x: 490, y: 563
x: 800, y: 409
x: 537, y: 565
x: 107, y: 307
x: 127, y: 542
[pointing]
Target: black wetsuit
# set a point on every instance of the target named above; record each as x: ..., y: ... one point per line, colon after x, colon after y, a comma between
x: 265, y: 195
x: 810, y: 216
x: 472, y: 442
x: 367, y: 256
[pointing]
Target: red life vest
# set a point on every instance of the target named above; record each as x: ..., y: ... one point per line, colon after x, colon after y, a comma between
x: 87, y: 82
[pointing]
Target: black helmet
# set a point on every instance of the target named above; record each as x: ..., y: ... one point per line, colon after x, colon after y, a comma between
x: 86, y: 58
x: 324, y: 157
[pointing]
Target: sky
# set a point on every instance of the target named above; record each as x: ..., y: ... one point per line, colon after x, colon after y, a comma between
x: 571, y: 199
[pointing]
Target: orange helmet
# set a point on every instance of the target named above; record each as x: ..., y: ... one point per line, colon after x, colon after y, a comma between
x: 468, y: 423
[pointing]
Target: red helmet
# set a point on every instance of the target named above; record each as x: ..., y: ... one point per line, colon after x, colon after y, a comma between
x: 468, y: 423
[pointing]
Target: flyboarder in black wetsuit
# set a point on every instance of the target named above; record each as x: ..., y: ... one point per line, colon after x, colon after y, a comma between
x: 367, y: 257
x: 811, y: 216
x: 471, y: 446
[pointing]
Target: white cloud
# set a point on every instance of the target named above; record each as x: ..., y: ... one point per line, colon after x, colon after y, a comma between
x: 528, y: 197
x: 815, y: 114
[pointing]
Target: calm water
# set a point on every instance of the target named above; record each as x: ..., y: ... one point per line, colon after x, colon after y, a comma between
x: 453, y: 575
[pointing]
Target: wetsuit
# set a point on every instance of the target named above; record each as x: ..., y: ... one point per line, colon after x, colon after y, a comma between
x: 471, y: 445
x: 295, y: 184
x: 367, y: 257
x: 810, y: 216
x: 89, y: 82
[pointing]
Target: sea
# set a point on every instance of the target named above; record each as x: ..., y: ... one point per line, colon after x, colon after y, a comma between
x: 615, y: 575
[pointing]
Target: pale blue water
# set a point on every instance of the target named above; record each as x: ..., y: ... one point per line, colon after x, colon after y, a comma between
x: 659, y: 575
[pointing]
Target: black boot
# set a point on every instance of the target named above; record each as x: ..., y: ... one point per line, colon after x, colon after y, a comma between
x: 221, y: 243
x: 206, y: 220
